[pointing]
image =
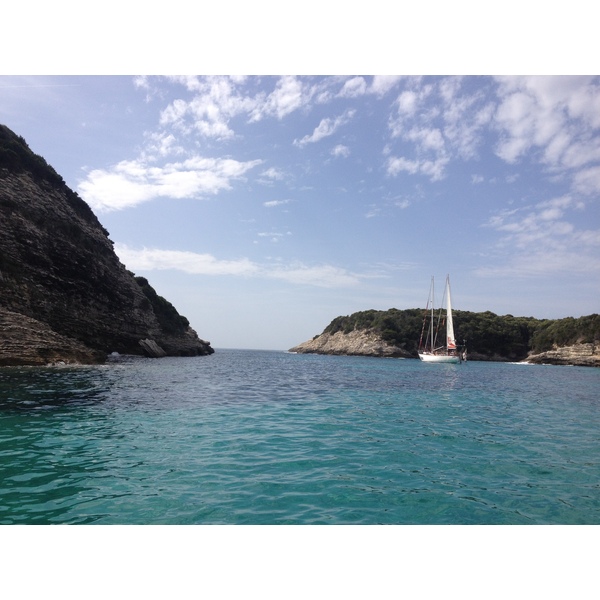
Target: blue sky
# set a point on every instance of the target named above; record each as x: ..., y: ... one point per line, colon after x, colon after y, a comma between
x: 264, y: 206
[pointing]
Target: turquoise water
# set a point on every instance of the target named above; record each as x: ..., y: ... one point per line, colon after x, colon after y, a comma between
x: 251, y: 437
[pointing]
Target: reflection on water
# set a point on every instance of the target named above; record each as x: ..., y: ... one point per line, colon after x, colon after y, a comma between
x: 28, y: 388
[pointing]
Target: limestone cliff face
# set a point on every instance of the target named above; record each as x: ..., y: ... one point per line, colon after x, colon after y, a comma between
x: 64, y: 294
x: 585, y: 355
x: 355, y: 343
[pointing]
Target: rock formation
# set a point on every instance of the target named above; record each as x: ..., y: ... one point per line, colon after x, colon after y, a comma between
x: 64, y: 294
x: 585, y: 355
x: 355, y: 343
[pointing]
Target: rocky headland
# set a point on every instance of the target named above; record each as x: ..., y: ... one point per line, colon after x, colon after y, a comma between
x: 64, y: 294
x: 489, y: 337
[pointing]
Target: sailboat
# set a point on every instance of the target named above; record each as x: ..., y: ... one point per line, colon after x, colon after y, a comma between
x: 429, y: 350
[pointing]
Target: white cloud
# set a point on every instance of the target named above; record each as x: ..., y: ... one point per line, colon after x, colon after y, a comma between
x: 130, y: 183
x: 426, y: 138
x: 557, y: 115
x: 141, y: 82
x: 354, y: 87
x: 273, y: 203
x: 341, y: 150
x: 397, y: 164
x: 321, y: 275
x: 325, y: 128
x: 374, y: 211
x: 149, y: 259
x: 539, y: 240
x: 288, y: 96
x: 516, y: 117
x: 274, y: 237
x: 587, y: 181
x: 539, y: 264
x: 443, y: 119
x: 434, y: 169
x: 273, y: 174
x: 160, y: 145
x: 382, y: 84
x: 465, y: 121
x: 407, y: 102
x: 215, y: 102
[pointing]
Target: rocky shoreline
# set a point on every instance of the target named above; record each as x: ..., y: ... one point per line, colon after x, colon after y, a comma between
x: 581, y: 355
x: 368, y: 343
x: 354, y: 343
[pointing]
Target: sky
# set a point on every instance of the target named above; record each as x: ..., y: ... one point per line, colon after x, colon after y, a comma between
x: 265, y: 205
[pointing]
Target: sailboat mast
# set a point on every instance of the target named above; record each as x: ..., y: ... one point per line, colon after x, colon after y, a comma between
x: 450, y: 341
x: 432, y: 304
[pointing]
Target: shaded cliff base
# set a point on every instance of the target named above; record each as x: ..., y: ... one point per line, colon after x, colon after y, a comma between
x: 29, y: 342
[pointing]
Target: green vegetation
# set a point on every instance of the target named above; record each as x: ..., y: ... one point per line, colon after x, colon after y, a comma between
x: 564, y: 332
x: 168, y: 317
x: 486, y: 333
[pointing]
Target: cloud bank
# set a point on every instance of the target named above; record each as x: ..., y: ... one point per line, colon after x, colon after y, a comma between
x: 149, y: 259
x: 130, y: 183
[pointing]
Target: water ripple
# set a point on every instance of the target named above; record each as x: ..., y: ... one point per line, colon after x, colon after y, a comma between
x: 258, y: 437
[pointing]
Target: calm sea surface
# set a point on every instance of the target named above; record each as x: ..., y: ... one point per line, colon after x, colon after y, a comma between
x: 253, y: 437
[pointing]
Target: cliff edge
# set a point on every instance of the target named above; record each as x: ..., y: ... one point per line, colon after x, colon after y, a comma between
x: 64, y: 294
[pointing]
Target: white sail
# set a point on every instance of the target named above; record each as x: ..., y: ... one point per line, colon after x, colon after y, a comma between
x: 448, y: 352
x: 450, y: 339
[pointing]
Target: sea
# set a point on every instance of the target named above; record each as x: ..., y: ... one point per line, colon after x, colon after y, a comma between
x: 247, y: 437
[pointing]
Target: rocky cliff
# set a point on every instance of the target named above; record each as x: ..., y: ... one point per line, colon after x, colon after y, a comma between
x: 355, y: 343
x: 64, y: 294
x: 584, y: 355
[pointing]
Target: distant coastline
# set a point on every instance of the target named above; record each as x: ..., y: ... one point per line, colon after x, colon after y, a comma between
x: 489, y: 337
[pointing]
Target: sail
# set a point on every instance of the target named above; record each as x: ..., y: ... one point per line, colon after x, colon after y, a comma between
x: 450, y: 339
x: 448, y: 353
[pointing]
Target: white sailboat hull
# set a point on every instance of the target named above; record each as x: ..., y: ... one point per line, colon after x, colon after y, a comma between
x: 439, y: 358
